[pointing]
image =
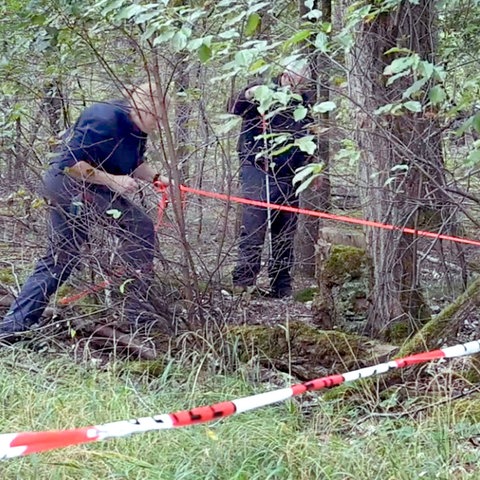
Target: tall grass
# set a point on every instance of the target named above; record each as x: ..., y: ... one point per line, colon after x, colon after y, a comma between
x: 316, y: 440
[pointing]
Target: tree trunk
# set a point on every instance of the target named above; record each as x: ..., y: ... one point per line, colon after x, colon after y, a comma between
x: 318, y: 196
x: 410, y: 143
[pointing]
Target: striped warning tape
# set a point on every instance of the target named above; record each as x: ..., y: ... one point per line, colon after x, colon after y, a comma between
x: 26, y: 443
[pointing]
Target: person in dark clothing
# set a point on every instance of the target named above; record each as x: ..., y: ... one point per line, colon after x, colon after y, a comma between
x: 267, y: 177
x: 101, y: 160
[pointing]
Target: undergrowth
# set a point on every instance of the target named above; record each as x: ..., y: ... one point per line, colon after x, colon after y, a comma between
x: 305, y: 438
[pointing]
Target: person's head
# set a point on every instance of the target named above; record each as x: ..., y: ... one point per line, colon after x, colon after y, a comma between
x: 294, y: 76
x: 148, y: 109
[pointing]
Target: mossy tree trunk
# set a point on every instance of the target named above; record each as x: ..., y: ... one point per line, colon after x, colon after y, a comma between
x: 401, y: 168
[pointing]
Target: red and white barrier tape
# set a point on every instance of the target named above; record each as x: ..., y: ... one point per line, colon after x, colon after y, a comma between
x: 20, y: 444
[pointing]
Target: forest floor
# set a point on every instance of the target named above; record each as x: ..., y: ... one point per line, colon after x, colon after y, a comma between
x: 425, y: 426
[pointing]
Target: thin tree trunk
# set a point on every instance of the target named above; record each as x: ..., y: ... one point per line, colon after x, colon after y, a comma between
x: 318, y: 197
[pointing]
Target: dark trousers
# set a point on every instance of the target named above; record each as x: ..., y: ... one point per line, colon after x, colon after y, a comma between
x: 70, y: 220
x: 254, y: 228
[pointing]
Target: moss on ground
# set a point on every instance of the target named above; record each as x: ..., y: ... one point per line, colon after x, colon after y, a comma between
x: 302, y: 349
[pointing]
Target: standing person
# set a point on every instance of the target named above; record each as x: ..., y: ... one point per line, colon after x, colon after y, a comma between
x: 101, y: 160
x: 268, y: 178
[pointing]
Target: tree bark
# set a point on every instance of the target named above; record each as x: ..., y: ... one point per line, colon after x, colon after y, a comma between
x: 412, y: 141
x: 318, y: 197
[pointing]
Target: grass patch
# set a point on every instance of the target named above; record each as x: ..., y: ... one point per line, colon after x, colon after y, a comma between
x: 294, y: 440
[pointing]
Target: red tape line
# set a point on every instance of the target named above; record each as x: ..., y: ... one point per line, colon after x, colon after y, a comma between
x: 329, y: 216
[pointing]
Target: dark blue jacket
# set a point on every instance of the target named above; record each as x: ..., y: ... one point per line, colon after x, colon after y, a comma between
x: 105, y: 137
x: 282, y: 122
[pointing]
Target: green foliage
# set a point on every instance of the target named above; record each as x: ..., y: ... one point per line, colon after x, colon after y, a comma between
x: 306, y: 175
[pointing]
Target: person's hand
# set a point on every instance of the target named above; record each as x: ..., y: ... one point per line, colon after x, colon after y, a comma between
x: 161, y: 181
x: 123, y: 184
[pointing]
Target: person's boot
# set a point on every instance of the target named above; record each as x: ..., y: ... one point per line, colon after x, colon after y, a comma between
x: 13, y: 330
x: 280, y: 280
x: 281, y: 292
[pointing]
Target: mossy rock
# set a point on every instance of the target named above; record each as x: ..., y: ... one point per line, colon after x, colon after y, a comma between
x: 305, y: 351
x: 344, y: 274
x: 343, y: 264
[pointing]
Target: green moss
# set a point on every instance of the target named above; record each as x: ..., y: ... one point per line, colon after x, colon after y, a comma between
x: 6, y: 276
x: 399, y: 332
x: 65, y: 290
x: 433, y: 330
x: 302, y: 349
x: 472, y: 375
x: 152, y: 368
x: 306, y: 295
x: 344, y: 263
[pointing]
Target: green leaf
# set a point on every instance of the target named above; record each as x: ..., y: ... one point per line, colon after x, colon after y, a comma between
x: 398, y: 50
x: 300, y: 36
x: 116, y: 214
x: 204, y: 53
x: 257, y: 6
x: 230, y: 122
x: 243, y: 58
x: 385, y: 109
x: 258, y: 66
x: 473, y: 158
x: 229, y: 34
x: 124, y: 284
x: 476, y: 122
x: 300, y: 113
x: 401, y: 167
x: 253, y: 22
x: 314, y: 14
x: 324, y: 107
x: 399, y: 65
x: 129, y: 12
x: 283, y: 149
x: 395, y: 77
x: 303, y: 172
x: 321, y: 42
x: 195, y: 44
x: 426, y: 69
x: 306, y: 144
x: 437, y: 95
x: 414, y: 88
x: 147, y: 16
x: 164, y: 36
x: 413, y: 106
x: 179, y: 40
x: 306, y: 175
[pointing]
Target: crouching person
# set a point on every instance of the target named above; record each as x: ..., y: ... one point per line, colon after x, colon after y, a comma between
x: 100, y: 162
